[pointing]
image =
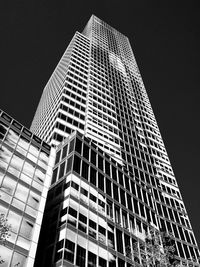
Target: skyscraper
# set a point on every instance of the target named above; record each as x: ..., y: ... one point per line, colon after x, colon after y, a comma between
x: 112, y: 179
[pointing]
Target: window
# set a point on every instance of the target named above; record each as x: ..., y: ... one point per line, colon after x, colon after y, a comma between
x: 114, y: 174
x: 78, y: 147
x: 57, y: 157
x: 71, y: 146
x: 115, y: 191
x: 102, y: 262
x: 101, y: 181
x: 122, y: 194
x: 92, y: 258
x: 75, y: 186
x: 100, y: 162
x: 72, y: 212
x: 64, y: 153
x: 86, y: 151
x: 119, y: 241
x: 82, y: 218
x: 93, y: 176
x: 85, y: 167
x: 62, y: 168
x: 69, y: 252
x: 120, y: 175
x: 117, y: 215
x: 107, y: 168
x: 77, y: 163
x: 69, y: 164
x: 108, y: 187
x: 54, y: 175
x: 93, y: 198
x: 80, y: 256
x: 93, y: 157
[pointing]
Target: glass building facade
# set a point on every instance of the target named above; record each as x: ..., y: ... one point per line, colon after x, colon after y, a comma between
x: 24, y: 181
x: 113, y: 180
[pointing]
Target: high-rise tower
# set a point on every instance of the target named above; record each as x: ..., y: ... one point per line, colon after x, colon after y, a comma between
x: 112, y: 179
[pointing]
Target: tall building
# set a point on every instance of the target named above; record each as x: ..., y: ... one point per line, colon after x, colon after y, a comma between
x: 112, y: 180
x: 24, y: 181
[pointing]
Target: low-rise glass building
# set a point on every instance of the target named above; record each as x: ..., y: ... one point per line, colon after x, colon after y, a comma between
x: 24, y: 180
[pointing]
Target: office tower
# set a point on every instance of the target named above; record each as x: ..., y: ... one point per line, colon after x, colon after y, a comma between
x: 112, y: 181
x: 24, y: 181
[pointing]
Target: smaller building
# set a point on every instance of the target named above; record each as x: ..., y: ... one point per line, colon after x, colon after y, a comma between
x: 24, y: 180
x: 82, y: 225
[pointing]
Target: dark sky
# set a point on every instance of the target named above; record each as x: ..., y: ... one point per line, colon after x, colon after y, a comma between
x: 166, y: 41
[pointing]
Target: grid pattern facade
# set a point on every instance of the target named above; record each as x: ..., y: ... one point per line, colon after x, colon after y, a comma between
x: 62, y: 108
x: 103, y: 84
x: 96, y: 213
x: 23, y: 188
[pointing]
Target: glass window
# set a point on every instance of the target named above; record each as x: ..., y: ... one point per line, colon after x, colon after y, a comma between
x: 12, y: 138
x: 32, y: 212
x: 23, y: 142
x: 54, y: 177
x: 93, y: 176
x: 17, y: 162
x: 127, y: 183
x: 6, y: 255
x: 78, y: 146
x: 69, y: 164
x: 3, y: 129
x: 33, y: 200
x: 119, y: 241
x: 93, y: 157
x: 69, y: 252
x: 92, y: 259
x: 6, y: 154
x: 44, y: 157
x: 117, y: 214
x: 101, y: 181
x: 39, y: 175
x: 100, y: 162
x: 31, y: 157
x: 34, y: 150
x: 121, y: 263
x: 18, y: 204
x: 62, y: 168
x: 85, y: 167
x: 122, y: 194
x: 77, y: 164
x: 21, y: 192
x: 82, y: 218
x: 115, y: 191
x: 111, y: 242
x: 8, y: 185
x: 28, y: 169
x: 42, y: 164
x: 80, y: 256
x: 135, y: 203
x: 14, y: 220
x: 129, y: 202
x: 86, y: 151
x: 26, y: 228
x: 102, y: 262
x: 108, y: 187
x: 71, y: 146
x: 114, y: 173
x: 73, y: 212
x: 57, y: 156
x: 22, y: 242
x: 64, y: 153
x: 107, y: 168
